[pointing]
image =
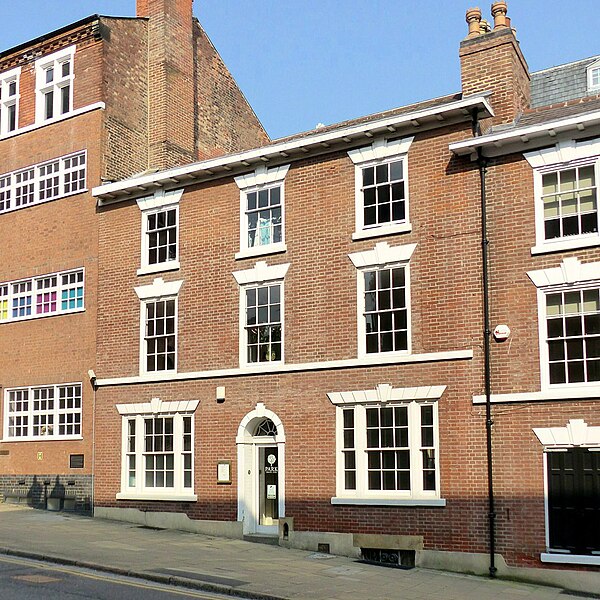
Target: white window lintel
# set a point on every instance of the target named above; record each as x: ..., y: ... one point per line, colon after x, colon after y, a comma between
x: 157, y: 406
x: 262, y: 176
x: 576, y: 433
x: 380, y: 149
x: 158, y: 288
x: 159, y: 199
x: 570, y: 271
x: 563, y: 153
x: 382, y: 254
x: 384, y: 392
x: 260, y: 273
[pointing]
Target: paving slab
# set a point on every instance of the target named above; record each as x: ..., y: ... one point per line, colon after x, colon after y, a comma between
x: 237, y: 567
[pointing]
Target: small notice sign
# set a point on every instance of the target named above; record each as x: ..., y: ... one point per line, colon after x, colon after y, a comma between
x: 271, y: 492
x: 224, y: 471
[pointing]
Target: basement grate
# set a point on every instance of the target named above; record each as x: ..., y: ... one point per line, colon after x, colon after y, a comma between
x: 399, y: 559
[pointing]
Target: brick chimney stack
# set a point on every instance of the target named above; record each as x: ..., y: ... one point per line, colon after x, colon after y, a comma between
x: 171, y: 84
x: 492, y: 61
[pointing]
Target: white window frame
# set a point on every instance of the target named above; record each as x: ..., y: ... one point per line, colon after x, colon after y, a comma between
x: 571, y: 275
x: 386, y: 395
x: 260, y: 276
x: 53, y: 61
x: 593, y: 71
x: 381, y: 151
x: 161, y: 201
x: 383, y: 256
x: 153, y: 409
x: 6, y: 101
x: 9, y: 187
x: 567, y: 154
x: 159, y: 290
x: 8, y: 294
x: 55, y: 412
x: 260, y: 179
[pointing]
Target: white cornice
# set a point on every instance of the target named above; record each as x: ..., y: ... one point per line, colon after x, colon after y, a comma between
x: 311, y: 142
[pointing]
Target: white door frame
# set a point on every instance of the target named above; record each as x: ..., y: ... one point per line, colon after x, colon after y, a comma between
x: 248, y: 492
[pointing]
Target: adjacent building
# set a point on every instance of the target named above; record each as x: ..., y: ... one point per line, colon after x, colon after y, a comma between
x: 77, y: 109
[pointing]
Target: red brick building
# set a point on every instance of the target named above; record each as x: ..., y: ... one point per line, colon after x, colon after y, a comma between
x: 76, y: 109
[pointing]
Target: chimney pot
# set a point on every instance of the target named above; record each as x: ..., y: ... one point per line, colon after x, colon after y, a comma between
x: 473, y: 19
x: 499, y: 10
x: 484, y: 27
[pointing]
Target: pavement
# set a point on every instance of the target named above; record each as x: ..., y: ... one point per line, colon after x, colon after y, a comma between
x: 236, y: 567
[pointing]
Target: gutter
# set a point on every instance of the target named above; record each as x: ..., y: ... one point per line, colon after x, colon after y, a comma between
x: 312, y: 143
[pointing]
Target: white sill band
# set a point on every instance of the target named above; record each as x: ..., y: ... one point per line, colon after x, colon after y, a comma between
x: 570, y: 559
x: 377, y: 360
x: 261, y: 250
x: 168, y: 266
x: 432, y: 502
x: 73, y: 113
x: 566, y: 244
x: 163, y: 497
x: 42, y: 438
x: 365, y: 234
x: 562, y: 393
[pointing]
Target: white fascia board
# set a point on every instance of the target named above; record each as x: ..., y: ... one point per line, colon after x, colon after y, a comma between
x: 505, y: 137
x: 590, y: 392
x: 138, y: 184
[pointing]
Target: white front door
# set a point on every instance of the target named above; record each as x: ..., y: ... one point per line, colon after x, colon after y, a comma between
x: 268, y: 490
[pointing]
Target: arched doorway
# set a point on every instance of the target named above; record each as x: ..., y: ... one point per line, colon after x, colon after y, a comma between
x: 261, y: 473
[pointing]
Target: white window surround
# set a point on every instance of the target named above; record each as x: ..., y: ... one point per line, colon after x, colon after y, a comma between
x: 380, y: 257
x: 380, y: 151
x: 159, y: 289
x: 56, y: 412
x: 156, y: 407
x: 577, y: 433
x: 6, y: 101
x: 160, y: 200
x: 260, y: 274
x: 573, y: 275
x: 383, y: 394
x: 565, y: 154
x: 261, y: 178
x: 593, y: 77
x: 54, y: 61
x: 8, y: 189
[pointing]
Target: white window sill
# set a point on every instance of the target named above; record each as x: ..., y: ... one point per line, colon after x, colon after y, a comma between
x: 561, y: 393
x: 164, y: 497
x: 381, y: 231
x: 172, y: 265
x: 433, y: 502
x: 42, y: 438
x: 570, y: 559
x: 566, y: 244
x: 37, y: 125
x: 261, y: 250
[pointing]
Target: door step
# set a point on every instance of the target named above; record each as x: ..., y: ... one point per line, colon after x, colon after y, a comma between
x: 262, y: 538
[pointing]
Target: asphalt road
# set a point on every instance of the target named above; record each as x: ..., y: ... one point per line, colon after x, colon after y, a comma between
x: 24, y: 579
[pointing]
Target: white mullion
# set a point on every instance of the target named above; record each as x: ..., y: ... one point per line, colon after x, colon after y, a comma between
x: 61, y: 175
x: 29, y: 433
x: 59, y: 290
x: 55, y: 411
x: 360, y: 445
x: 177, y: 453
x: 140, y: 433
x: 414, y: 448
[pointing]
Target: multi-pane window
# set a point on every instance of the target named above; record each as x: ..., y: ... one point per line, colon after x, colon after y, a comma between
x: 263, y: 323
x: 573, y: 336
x: 9, y: 101
x: 594, y: 78
x: 160, y: 336
x: 384, y: 194
x: 388, y: 450
x: 43, y: 182
x: 569, y: 199
x: 263, y: 216
x: 161, y: 236
x: 385, y: 310
x: 53, y: 294
x: 158, y: 454
x: 54, y: 85
x: 52, y: 411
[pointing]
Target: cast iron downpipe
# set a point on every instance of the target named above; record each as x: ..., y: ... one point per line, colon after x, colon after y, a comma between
x: 487, y: 334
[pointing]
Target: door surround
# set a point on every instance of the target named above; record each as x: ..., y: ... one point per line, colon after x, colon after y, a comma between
x: 247, y: 451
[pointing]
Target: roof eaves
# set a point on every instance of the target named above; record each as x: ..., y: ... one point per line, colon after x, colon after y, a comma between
x: 313, y: 142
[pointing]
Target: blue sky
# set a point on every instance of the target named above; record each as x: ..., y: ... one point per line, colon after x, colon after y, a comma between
x: 301, y: 62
